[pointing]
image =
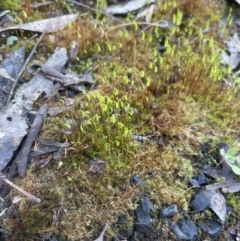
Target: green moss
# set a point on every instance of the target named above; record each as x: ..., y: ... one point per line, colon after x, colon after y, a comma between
x: 32, y: 218
x: 176, y: 99
x: 12, y: 5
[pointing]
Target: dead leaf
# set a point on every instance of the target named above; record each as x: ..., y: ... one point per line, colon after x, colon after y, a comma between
x: 54, y: 143
x: 231, y: 189
x: 217, y: 203
x: 128, y: 7
x: 224, y: 171
x: 40, y: 84
x: 44, y: 162
x: 4, y: 74
x: 227, y: 185
x: 97, y: 166
x: 14, y: 62
x: 147, y: 13
x: 56, y: 110
x: 13, y: 123
x: 72, y: 78
x: 68, y: 102
x: 5, y: 19
x: 16, y: 199
x: 43, y: 4
x: 234, y: 230
x: 4, y: 210
x: 12, y: 129
x: 73, y: 50
x: 100, y: 238
x: 43, y: 151
x: 4, y: 13
x: 50, y: 25
x: 51, y: 71
x: 60, y: 163
x: 233, y: 45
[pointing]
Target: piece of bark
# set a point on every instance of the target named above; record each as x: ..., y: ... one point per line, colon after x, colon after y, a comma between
x: 22, y: 156
x: 13, y: 122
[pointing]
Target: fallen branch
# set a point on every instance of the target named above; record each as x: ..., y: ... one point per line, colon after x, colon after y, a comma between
x: 30, y: 196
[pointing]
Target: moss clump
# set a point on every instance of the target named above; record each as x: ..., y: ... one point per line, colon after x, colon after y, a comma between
x: 174, y: 98
x: 12, y: 5
x: 30, y: 219
x: 233, y: 201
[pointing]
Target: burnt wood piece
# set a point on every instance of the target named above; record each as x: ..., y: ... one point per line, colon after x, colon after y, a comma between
x: 22, y: 156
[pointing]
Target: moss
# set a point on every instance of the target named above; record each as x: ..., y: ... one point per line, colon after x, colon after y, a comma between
x: 34, y: 219
x: 10, y: 5
x: 232, y: 200
x: 175, y: 98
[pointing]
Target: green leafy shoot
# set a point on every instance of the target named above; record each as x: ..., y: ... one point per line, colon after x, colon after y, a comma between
x: 232, y: 159
x: 12, y: 40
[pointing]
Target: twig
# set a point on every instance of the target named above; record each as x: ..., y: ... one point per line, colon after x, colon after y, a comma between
x: 30, y: 196
x: 23, y: 68
x: 160, y: 24
x: 94, y: 10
